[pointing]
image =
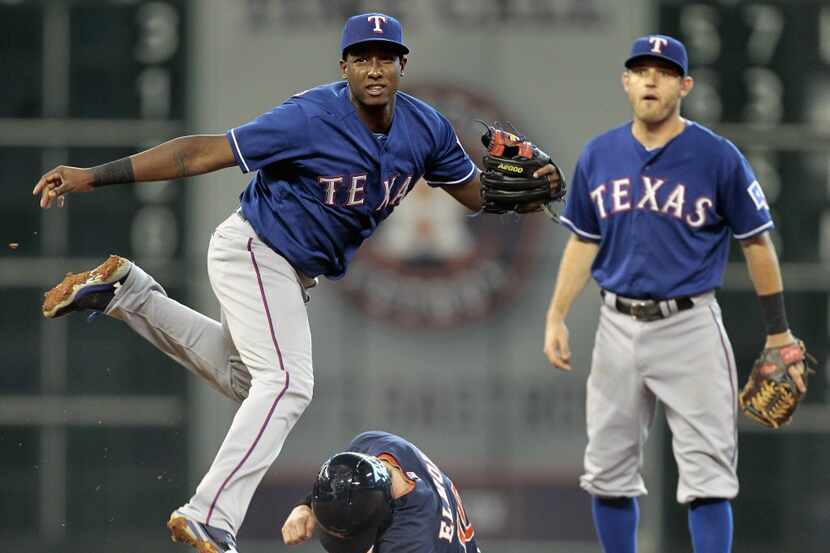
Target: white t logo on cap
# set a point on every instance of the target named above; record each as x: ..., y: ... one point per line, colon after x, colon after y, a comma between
x: 657, y: 44
x: 377, y: 19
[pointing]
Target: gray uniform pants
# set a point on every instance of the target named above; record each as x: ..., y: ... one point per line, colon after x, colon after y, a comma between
x: 258, y: 354
x: 686, y: 362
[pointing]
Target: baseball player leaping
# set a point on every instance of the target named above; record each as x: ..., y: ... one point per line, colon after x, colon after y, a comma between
x: 382, y: 495
x: 329, y: 165
x: 652, y: 207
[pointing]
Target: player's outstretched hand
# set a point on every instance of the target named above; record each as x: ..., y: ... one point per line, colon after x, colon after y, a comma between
x: 299, y: 526
x: 62, y: 180
x: 557, y: 344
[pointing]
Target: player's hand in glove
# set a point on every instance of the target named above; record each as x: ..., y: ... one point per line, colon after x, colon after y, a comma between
x: 299, y: 526
x: 518, y: 176
x: 777, y: 383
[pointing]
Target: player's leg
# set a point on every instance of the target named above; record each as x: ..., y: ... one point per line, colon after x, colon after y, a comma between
x: 616, y: 520
x: 710, y: 523
x: 620, y: 411
x: 122, y: 290
x: 692, y: 371
x: 266, y: 314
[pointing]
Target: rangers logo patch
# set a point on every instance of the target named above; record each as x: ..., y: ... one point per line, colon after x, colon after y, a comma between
x: 757, y: 195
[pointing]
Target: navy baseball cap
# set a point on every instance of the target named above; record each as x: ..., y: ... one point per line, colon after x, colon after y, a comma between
x: 372, y: 27
x: 660, y: 46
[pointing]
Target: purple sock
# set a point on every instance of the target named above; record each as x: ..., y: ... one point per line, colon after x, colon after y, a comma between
x: 615, y: 519
x: 710, y: 523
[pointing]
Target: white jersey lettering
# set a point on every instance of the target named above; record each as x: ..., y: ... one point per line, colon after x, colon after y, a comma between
x: 675, y: 201
x: 597, y: 196
x: 699, y: 218
x: 621, y: 201
x: 650, y: 193
x: 387, y: 191
x: 673, y: 204
x: 356, y: 189
x: 447, y: 529
x: 402, y: 192
x: 331, y: 184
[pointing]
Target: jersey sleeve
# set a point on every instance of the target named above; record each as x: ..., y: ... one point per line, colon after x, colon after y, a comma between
x: 277, y: 135
x: 580, y: 215
x: 449, y: 164
x: 415, y: 536
x: 742, y: 199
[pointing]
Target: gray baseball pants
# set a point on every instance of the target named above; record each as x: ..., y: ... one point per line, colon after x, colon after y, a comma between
x: 686, y: 362
x: 258, y: 354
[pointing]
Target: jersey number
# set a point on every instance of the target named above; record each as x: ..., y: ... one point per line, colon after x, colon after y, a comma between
x: 462, y: 522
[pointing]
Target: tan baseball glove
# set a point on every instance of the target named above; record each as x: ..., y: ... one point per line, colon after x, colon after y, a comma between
x: 771, y: 395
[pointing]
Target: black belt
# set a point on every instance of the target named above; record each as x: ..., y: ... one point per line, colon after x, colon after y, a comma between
x: 651, y: 310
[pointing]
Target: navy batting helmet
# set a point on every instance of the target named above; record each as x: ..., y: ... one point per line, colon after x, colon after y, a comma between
x: 352, y: 501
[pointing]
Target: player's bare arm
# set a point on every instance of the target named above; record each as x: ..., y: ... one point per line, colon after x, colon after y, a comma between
x: 574, y: 271
x: 765, y: 272
x: 468, y: 195
x: 181, y: 157
x: 299, y: 526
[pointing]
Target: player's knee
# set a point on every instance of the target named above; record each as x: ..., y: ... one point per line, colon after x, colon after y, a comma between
x: 303, y: 391
x: 306, y: 392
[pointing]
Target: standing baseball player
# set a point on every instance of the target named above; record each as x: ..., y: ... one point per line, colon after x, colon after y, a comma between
x: 329, y: 165
x: 652, y: 208
x: 382, y: 494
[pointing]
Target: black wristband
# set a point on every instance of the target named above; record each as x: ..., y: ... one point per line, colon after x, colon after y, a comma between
x: 774, y: 313
x: 119, y: 171
x: 305, y: 501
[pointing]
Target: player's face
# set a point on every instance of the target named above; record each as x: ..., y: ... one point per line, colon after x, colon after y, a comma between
x: 374, y: 73
x: 655, y: 88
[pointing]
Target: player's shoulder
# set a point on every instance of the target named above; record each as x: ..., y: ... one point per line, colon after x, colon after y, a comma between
x: 707, y: 141
x: 604, y: 143
x: 322, y: 99
x: 415, y: 526
x: 421, y: 111
x: 412, y: 103
x: 610, y: 138
x: 378, y: 440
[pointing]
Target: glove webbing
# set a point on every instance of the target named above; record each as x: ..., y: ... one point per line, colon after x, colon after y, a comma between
x: 500, y: 140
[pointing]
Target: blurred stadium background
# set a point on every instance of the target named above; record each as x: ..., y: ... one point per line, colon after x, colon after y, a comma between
x: 436, y: 334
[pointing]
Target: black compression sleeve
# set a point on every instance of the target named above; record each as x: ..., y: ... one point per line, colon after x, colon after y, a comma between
x: 119, y: 171
x: 775, y: 315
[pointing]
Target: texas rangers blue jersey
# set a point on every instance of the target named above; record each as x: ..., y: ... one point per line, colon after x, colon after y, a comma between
x: 663, y: 217
x: 324, y: 181
x: 430, y: 518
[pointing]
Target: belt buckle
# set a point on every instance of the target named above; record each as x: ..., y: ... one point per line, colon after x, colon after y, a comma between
x: 638, y: 309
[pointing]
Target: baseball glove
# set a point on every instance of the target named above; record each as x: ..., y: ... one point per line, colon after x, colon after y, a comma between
x: 770, y: 395
x: 507, y: 182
